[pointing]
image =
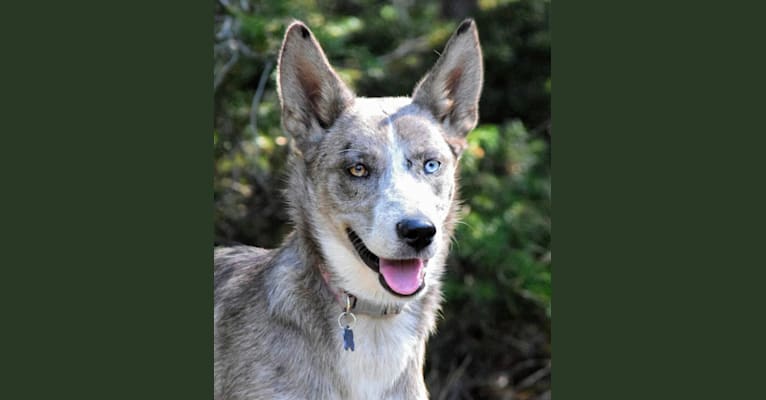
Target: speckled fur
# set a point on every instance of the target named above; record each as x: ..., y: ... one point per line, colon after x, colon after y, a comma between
x: 276, y: 330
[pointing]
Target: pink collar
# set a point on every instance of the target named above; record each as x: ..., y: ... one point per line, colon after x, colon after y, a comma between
x: 343, y: 297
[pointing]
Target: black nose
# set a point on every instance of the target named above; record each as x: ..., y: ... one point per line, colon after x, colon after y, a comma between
x: 418, y: 233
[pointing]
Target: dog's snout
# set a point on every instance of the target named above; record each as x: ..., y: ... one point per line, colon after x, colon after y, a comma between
x: 418, y: 233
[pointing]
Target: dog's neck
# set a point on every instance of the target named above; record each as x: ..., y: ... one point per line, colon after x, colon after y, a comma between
x: 346, y: 299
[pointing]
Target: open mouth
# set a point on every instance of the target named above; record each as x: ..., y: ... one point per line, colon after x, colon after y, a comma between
x: 400, y: 277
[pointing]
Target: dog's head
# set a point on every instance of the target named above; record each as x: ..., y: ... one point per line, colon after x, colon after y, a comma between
x: 377, y: 175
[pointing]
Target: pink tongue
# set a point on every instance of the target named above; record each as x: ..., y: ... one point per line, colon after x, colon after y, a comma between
x: 402, y: 276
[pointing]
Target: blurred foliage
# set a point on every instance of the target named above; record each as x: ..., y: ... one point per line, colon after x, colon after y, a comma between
x: 494, y: 339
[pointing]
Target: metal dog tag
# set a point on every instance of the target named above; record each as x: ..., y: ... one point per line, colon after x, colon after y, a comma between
x: 348, y: 338
x: 348, y: 334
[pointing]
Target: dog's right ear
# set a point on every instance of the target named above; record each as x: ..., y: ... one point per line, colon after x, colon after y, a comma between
x: 310, y: 92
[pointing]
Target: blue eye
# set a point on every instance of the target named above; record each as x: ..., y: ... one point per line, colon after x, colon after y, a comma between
x: 431, y: 166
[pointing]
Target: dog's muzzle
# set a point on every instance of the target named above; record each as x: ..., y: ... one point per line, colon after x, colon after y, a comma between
x: 403, y: 278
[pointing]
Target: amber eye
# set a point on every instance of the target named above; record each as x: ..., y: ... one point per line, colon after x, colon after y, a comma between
x: 359, y: 170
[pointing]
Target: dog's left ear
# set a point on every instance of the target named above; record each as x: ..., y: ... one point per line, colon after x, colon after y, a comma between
x: 451, y: 90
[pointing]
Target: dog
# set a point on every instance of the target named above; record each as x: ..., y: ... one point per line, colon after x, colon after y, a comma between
x: 343, y: 309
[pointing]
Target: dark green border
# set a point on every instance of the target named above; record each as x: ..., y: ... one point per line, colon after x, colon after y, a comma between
x: 107, y: 281
x: 655, y: 107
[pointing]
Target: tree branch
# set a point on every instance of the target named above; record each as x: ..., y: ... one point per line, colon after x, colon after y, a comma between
x: 259, y: 95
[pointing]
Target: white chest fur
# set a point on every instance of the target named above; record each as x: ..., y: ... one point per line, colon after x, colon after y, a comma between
x: 383, y: 347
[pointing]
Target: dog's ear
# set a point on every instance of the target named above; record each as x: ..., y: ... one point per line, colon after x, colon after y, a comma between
x: 451, y: 90
x: 310, y: 92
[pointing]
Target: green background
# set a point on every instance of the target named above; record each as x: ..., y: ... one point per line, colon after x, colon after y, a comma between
x: 107, y: 213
